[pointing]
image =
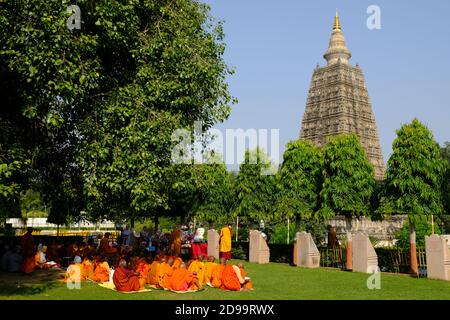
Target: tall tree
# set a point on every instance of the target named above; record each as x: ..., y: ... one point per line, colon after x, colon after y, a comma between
x: 445, y: 151
x: 348, y: 182
x: 300, y: 181
x: 413, y: 179
x: 255, y: 188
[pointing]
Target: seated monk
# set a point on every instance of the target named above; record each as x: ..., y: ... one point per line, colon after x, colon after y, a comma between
x: 248, y: 282
x: 40, y: 257
x: 105, y: 248
x: 232, y: 278
x: 87, y: 269
x: 89, y: 250
x: 152, y: 275
x: 72, y: 250
x: 209, y: 267
x: 164, y: 271
x: 127, y: 280
x: 183, y: 280
x: 143, y: 267
x: 101, y: 270
x: 216, y: 276
x: 198, y: 268
x: 177, y: 261
x: 53, y: 252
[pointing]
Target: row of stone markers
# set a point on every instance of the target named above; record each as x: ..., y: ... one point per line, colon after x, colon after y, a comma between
x: 364, y: 257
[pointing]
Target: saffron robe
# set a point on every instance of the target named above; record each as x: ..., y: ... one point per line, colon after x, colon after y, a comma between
x: 152, y: 275
x: 164, y: 271
x: 209, y: 268
x: 101, y: 272
x: 232, y: 278
x: 225, y: 240
x: 216, y: 276
x: 125, y: 280
x: 87, y: 269
x: 248, y: 284
x: 175, y: 245
x: 28, y: 251
x: 198, y: 268
x: 181, y: 280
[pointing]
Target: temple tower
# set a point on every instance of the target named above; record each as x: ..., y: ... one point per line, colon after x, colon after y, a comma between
x: 338, y: 102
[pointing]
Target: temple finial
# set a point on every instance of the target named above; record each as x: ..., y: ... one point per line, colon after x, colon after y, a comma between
x: 337, y: 25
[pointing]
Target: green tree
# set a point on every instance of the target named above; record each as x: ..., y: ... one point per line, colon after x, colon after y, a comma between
x: 348, y: 182
x: 445, y: 151
x: 255, y: 188
x: 413, y: 179
x: 300, y: 181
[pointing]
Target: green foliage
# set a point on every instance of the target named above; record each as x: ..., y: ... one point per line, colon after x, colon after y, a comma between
x: 255, y: 190
x: 348, y: 178
x: 423, y: 228
x: 279, y: 234
x: 445, y: 152
x: 414, y: 173
x: 300, y: 181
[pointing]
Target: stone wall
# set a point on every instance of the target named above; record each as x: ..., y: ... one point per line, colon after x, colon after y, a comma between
x: 382, y: 231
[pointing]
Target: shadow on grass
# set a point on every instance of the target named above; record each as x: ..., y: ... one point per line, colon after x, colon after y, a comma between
x: 22, y: 285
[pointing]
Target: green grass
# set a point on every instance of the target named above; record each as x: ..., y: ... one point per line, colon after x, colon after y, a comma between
x: 270, y: 281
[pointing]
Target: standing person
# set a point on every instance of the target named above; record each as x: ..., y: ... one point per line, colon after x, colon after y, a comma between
x: 126, y: 234
x: 225, y: 242
x: 176, y: 241
x: 28, y: 252
x: 333, y: 242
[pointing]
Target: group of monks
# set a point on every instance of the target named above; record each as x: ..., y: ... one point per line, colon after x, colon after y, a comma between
x: 165, y: 272
x: 171, y: 273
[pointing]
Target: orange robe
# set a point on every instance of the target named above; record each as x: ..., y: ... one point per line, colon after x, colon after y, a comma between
x: 181, y: 280
x: 152, y: 275
x: 216, y: 276
x: 177, y: 263
x: 176, y: 242
x: 164, y: 271
x: 143, y: 268
x: 247, y: 285
x: 198, y: 268
x: 230, y: 280
x: 28, y: 251
x: 87, y: 269
x: 209, y: 268
x: 124, y: 280
x: 101, y: 272
x: 105, y: 248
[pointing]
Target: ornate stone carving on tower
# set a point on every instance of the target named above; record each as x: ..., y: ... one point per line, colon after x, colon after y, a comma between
x: 338, y: 102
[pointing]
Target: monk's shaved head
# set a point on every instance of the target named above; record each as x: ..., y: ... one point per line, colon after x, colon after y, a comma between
x: 122, y: 263
x: 183, y: 266
x: 200, y: 257
x: 223, y: 261
x: 170, y: 261
x: 240, y: 265
x: 211, y: 259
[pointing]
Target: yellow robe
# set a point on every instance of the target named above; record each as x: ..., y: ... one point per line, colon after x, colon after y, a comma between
x: 225, y: 240
x: 198, y: 268
x: 209, y: 268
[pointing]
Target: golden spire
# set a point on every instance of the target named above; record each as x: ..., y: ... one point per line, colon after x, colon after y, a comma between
x: 337, y: 25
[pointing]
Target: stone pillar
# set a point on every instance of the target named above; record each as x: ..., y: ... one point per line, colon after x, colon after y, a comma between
x: 438, y: 257
x: 365, y: 258
x: 259, y: 250
x: 213, y: 243
x: 307, y: 254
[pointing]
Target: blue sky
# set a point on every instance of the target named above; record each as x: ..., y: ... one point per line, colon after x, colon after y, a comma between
x: 275, y: 45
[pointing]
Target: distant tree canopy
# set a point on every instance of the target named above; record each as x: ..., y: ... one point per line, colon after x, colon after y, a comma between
x: 445, y: 152
x: 90, y: 112
x: 414, y: 172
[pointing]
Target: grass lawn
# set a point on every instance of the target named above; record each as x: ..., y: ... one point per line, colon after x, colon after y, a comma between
x: 270, y: 281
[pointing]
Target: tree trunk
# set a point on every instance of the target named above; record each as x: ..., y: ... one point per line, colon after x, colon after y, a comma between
x: 349, y: 262
x: 132, y: 223
x: 412, y: 249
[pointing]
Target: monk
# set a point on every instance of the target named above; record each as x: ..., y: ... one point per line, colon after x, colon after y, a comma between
x: 126, y: 280
x: 177, y: 261
x: 232, y: 278
x: 209, y: 268
x: 53, y: 252
x: 40, y: 258
x: 152, y: 275
x: 216, y: 276
x: 197, y: 267
x: 89, y: 250
x: 101, y: 270
x: 87, y: 269
x: 248, y: 283
x: 164, y: 271
x: 143, y: 267
x: 225, y: 242
x: 72, y: 250
x: 175, y: 246
x: 28, y: 252
x: 105, y: 248
x: 183, y: 280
